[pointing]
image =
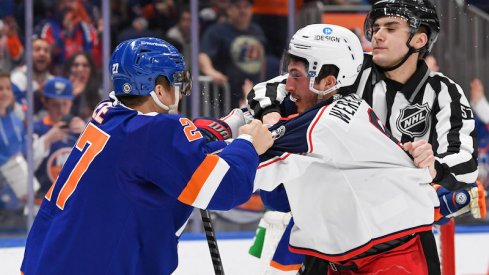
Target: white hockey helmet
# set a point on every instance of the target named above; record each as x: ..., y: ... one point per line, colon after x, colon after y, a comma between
x: 324, y: 44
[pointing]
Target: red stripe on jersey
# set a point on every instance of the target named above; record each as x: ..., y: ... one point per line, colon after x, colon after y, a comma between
x: 313, y: 124
x: 273, y: 160
x: 359, y: 250
x: 192, y: 190
x: 229, y: 115
x: 289, y: 117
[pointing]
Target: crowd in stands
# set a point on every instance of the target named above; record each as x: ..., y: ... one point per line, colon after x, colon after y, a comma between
x: 241, y: 43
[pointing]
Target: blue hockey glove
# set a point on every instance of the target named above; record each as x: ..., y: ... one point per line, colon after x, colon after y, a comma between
x: 456, y: 203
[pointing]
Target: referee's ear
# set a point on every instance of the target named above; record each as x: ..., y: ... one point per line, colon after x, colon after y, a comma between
x: 419, y: 40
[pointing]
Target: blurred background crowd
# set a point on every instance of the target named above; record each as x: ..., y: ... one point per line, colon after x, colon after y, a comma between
x: 241, y: 43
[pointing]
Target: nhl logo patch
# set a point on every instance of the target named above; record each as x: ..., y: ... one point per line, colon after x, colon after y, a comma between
x: 126, y: 88
x: 414, y: 120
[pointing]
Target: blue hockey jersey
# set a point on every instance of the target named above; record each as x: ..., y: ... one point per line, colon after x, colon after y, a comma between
x: 127, y: 190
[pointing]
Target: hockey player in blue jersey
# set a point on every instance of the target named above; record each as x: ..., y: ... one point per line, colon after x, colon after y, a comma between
x: 127, y: 189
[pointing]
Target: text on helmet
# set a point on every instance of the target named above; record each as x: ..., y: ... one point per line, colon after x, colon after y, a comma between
x: 327, y: 38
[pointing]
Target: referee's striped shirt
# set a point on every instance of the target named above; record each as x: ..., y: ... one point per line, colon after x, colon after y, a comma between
x: 428, y: 106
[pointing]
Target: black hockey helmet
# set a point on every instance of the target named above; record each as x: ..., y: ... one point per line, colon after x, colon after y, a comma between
x: 416, y: 12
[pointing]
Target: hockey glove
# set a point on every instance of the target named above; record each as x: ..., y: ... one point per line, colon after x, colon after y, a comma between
x: 477, y: 200
x: 213, y: 129
x: 456, y: 203
x: 237, y: 118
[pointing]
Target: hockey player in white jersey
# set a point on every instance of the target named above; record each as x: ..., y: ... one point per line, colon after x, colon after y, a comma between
x: 356, y: 196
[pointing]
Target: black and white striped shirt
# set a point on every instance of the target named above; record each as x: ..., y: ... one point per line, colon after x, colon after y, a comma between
x: 428, y: 106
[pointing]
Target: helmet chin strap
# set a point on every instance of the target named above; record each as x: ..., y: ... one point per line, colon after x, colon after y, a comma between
x: 172, y: 109
x: 408, y: 54
x: 321, y: 94
x: 411, y: 50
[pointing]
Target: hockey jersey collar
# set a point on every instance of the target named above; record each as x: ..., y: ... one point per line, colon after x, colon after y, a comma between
x: 116, y: 102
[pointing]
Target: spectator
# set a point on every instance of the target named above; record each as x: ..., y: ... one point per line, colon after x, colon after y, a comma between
x: 117, y: 20
x: 82, y: 73
x: 272, y: 17
x: 233, y: 51
x: 58, y: 128
x: 139, y: 28
x: 480, y: 105
x: 72, y: 32
x: 41, y: 60
x: 77, y: 35
x: 212, y: 12
x: 478, y: 100
x: 21, y: 103
x: 13, y: 167
x: 11, y: 49
x: 181, y: 34
x: 161, y: 15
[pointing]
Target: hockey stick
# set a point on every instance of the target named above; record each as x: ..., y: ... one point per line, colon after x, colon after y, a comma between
x: 212, y: 242
x: 211, y: 236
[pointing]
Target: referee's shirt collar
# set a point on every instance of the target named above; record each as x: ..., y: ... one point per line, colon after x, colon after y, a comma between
x: 412, y: 86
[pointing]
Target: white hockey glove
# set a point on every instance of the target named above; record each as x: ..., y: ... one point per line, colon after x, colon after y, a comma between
x: 237, y: 118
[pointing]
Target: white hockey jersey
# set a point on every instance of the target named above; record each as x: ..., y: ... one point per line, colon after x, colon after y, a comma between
x: 349, y: 184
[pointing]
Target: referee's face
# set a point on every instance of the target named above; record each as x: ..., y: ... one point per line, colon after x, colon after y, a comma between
x: 298, y: 86
x: 389, y: 38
